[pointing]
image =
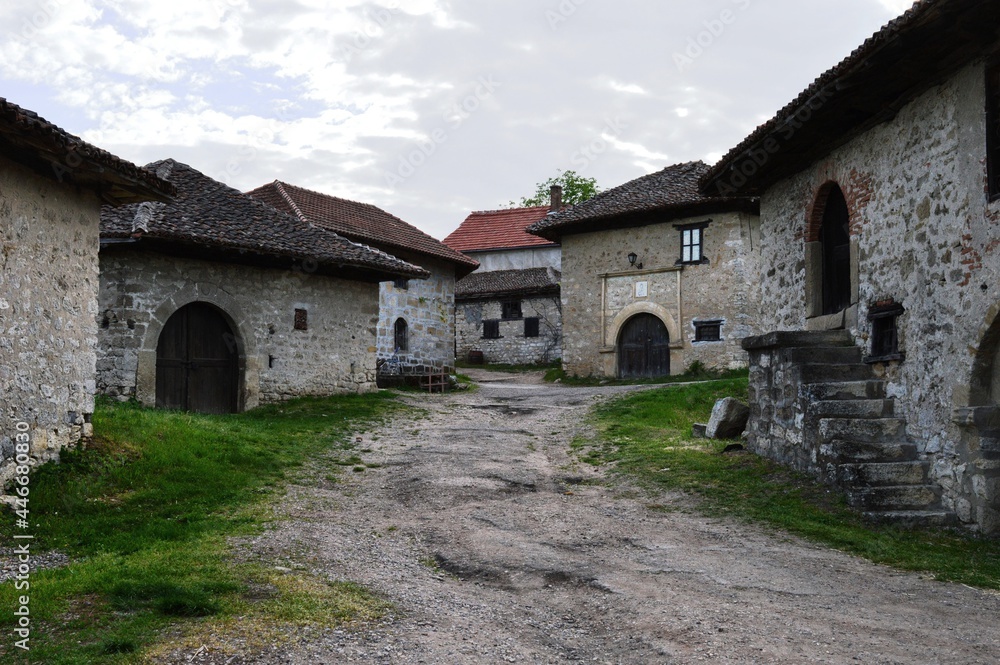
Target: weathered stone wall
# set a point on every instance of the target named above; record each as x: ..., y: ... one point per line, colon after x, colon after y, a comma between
x: 48, y: 301
x: 427, y: 306
x: 596, y: 270
x: 512, y: 347
x: 924, y: 234
x: 140, y: 291
x: 518, y: 259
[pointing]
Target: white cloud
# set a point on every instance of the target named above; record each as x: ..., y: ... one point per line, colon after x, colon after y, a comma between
x: 896, y: 6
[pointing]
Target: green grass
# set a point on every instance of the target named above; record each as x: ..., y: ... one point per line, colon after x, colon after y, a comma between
x: 509, y: 368
x: 145, y: 513
x: 648, y: 436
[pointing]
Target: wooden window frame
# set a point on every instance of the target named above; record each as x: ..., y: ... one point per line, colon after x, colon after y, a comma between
x: 701, y: 327
x: 401, y: 331
x: 506, y: 308
x: 493, y: 324
x: 532, y: 326
x: 692, y: 229
x: 884, y: 317
x: 301, y: 319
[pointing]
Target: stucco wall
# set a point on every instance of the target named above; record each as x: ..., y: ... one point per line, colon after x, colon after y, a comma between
x: 512, y: 347
x: 924, y: 234
x: 48, y: 301
x: 518, y: 259
x: 427, y: 306
x: 141, y: 290
x: 595, y: 268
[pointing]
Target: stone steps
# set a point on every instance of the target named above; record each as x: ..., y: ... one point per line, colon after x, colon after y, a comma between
x: 894, y: 498
x: 862, y: 430
x: 832, y: 355
x: 871, y: 452
x: 834, y: 373
x: 883, y: 474
x: 848, y: 390
x: 853, y: 408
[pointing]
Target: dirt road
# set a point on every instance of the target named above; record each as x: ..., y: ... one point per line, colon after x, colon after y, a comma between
x: 494, y: 547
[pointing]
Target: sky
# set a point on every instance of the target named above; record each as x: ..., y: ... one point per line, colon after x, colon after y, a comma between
x: 428, y: 109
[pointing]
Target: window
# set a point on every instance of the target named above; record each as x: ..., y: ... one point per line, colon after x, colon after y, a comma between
x: 708, y: 331
x: 692, y: 243
x: 993, y: 129
x: 403, y: 284
x: 510, y: 309
x: 301, y: 319
x: 531, y: 326
x: 885, y: 334
x: 399, y: 335
x: 491, y: 329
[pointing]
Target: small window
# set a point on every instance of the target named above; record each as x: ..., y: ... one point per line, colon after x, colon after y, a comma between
x: 491, y: 329
x: 885, y: 334
x: 510, y: 309
x: 301, y: 319
x: 993, y: 129
x: 692, y: 243
x: 400, y: 335
x: 708, y: 331
x: 531, y: 326
x: 403, y: 284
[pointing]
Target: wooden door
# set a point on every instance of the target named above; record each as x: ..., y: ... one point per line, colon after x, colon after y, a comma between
x: 836, y: 238
x: 643, y: 348
x: 197, y: 363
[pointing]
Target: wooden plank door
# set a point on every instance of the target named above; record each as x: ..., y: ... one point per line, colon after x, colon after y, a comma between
x: 643, y: 348
x: 197, y: 365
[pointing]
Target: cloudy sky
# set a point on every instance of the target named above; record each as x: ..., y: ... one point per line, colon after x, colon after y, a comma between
x: 426, y: 108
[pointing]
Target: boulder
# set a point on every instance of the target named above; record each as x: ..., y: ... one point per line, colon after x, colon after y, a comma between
x: 729, y: 419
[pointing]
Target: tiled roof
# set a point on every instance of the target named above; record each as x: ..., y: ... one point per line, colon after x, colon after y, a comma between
x: 29, y: 139
x: 498, y: 229
x: 206, y: 214
x: 906, y: 57
x: 362, y: 222
x: 498, y: 283
x: 670, y: 193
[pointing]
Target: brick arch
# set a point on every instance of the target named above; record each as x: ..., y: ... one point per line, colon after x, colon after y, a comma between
x: 815, y: 259
x: 814, y: 219
x: 215, y: 295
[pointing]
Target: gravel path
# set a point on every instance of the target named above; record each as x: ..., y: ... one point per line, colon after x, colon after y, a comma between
x: 494, y: 547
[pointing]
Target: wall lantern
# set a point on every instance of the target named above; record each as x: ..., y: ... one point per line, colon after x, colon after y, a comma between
x: 632, y: 257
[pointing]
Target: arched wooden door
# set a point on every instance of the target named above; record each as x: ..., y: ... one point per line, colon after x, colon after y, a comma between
x: 835, y: 237
x: 197, y: 362
x: 643, y: 348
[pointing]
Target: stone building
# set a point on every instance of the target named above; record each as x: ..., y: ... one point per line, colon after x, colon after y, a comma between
x: 217, y: 302
x: 880, y: 241
x: 655, y: 276
x: 52, y: 186
x: 416, y: 317
x: 508, y: 310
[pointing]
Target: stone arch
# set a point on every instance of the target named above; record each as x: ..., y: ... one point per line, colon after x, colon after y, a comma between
x: 215, y: 295
x: 823, y: 287
x: 644, y: 308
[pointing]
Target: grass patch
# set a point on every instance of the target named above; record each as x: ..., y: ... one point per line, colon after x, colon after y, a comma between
x: 509, y: 368
x: 648, y: 436
x: 145, y: 514
x: 696, y: 372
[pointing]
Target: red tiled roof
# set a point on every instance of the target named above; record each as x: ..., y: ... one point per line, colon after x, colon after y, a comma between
x: 498, y: 229
x: 361, y: 222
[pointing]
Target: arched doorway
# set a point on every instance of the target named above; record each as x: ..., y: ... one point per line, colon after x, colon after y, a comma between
x: 643, y: 348
x: 835, y: 238
x: 197, y: 362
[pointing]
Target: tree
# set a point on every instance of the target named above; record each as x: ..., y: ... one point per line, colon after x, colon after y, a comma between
x: 576, y: 189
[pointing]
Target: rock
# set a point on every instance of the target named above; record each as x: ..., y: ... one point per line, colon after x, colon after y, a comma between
x: 729, y: 419
x: 698, y: 430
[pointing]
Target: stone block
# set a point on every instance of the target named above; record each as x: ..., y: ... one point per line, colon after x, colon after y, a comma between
x: 729, y: 419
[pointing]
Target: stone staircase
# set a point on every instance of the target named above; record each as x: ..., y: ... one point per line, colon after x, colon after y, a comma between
x: 860, y: 444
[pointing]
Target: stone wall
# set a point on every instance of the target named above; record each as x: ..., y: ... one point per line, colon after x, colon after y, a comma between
x: 923, y: 234
x: 140, y: 290
x: 512, y: 347
x: 596, y: 271
x: 48, y: 301
x: 518, y: 259
x: 427, y: 306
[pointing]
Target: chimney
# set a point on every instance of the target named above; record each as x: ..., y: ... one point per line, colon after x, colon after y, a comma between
x: 555, y: 194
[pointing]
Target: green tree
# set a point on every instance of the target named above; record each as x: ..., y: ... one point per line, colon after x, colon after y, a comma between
x: 576, y: 189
